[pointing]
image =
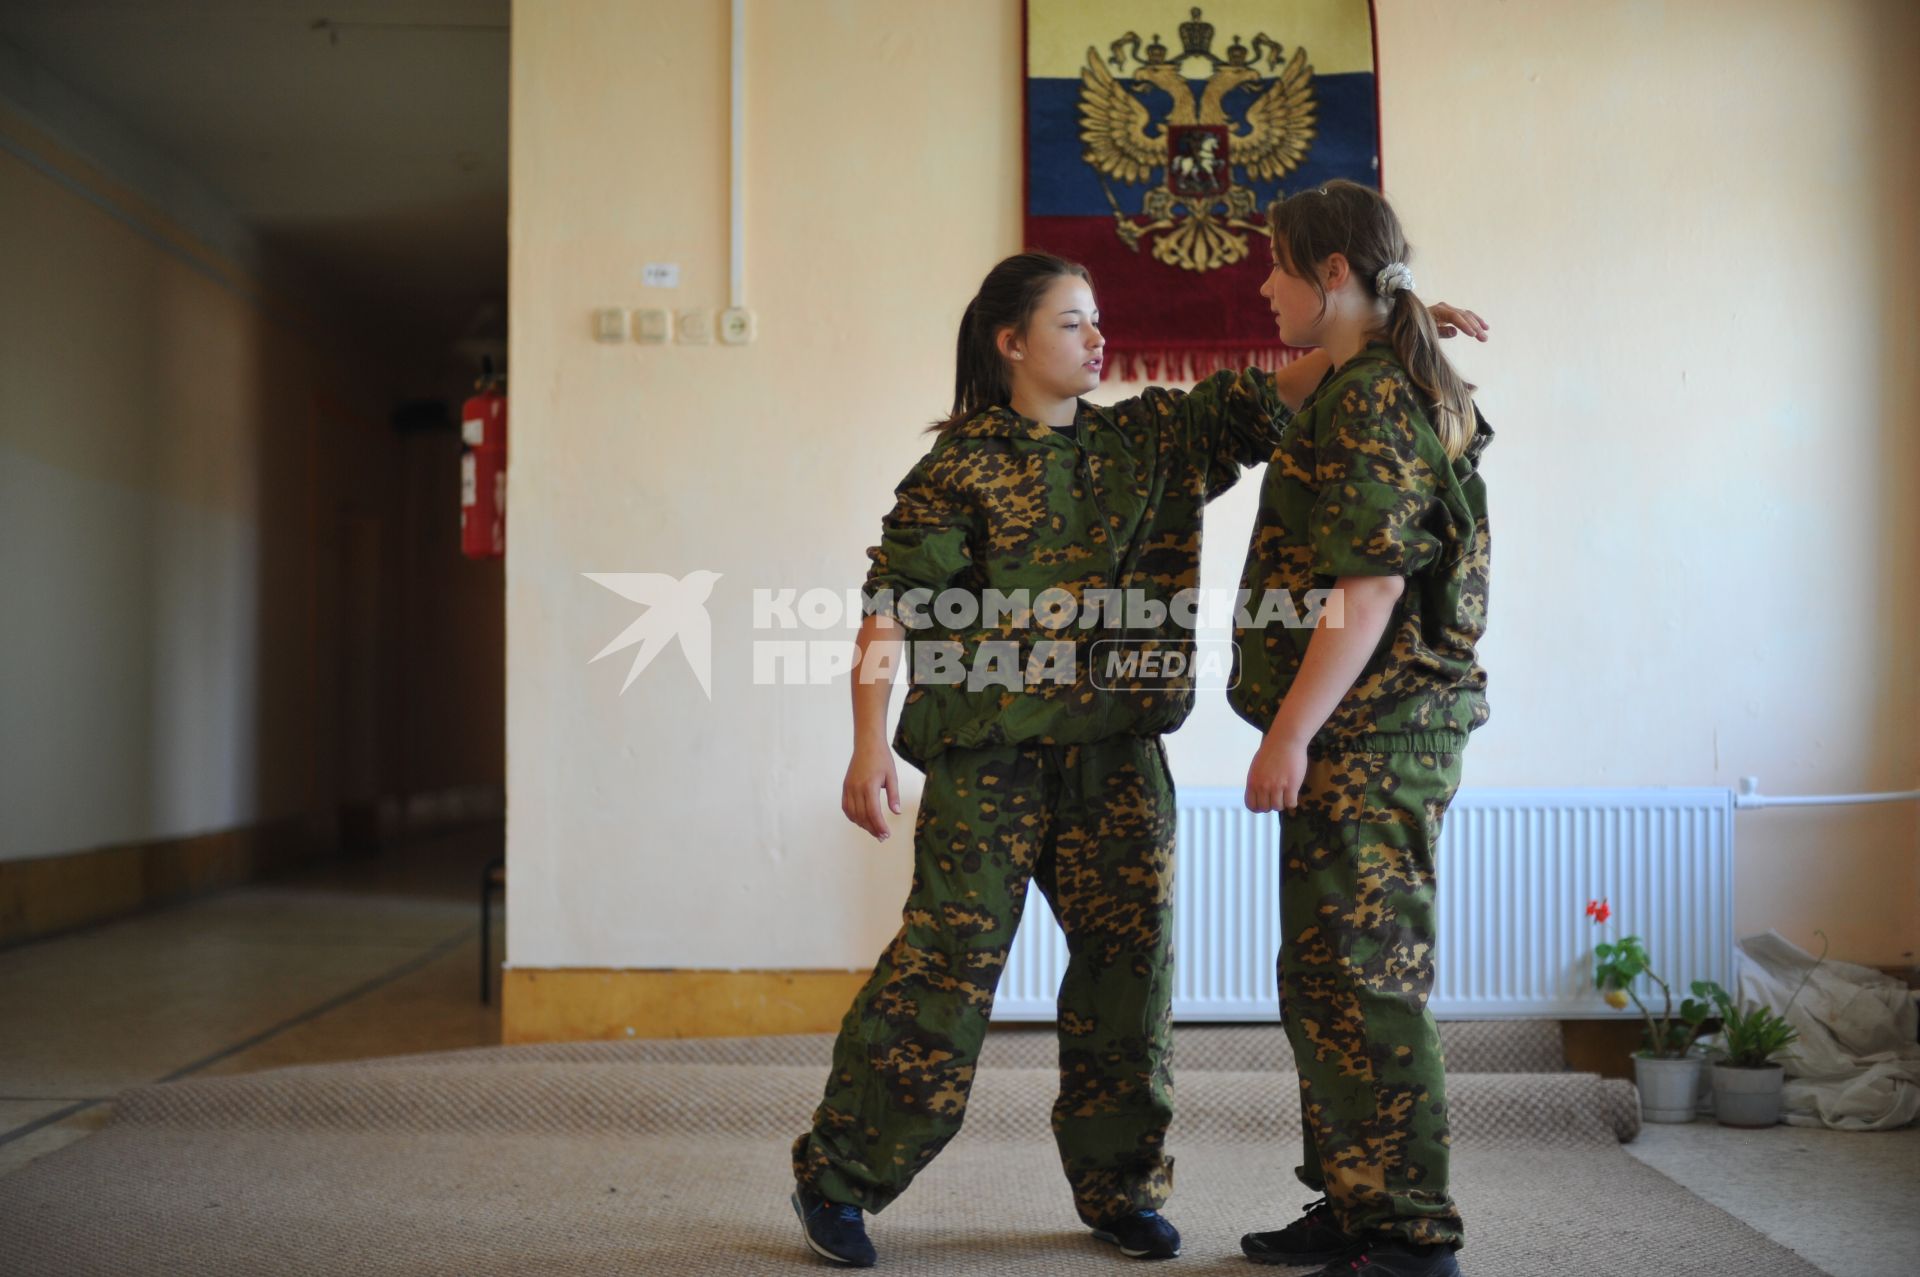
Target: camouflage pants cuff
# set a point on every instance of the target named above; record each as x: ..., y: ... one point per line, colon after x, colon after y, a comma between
x: 814, y: 1170
x: 1099, y: 1196
x: 1420, y: 1232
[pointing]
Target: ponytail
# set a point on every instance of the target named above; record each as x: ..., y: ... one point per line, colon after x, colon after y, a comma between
x: 1415, y: 339
x: 980, y: 377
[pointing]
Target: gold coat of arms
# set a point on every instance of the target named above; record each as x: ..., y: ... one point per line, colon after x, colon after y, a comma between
x: 1141, y: 116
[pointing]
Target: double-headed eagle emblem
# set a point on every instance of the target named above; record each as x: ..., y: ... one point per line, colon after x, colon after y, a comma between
x: 1196, y: 144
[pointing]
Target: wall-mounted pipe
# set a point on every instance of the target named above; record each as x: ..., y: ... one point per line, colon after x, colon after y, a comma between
x: 737, y: 189
x: 1749, y: 795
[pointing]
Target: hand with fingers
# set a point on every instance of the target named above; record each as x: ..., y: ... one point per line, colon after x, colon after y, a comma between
x: 871, y: 789
x: 1453, y: 321
x: 1273, y: 780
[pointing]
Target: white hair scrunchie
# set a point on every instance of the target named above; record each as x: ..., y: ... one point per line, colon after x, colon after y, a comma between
x: 1394, y: 277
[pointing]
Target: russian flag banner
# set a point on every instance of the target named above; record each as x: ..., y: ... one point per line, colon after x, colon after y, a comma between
x: 1157, y: 133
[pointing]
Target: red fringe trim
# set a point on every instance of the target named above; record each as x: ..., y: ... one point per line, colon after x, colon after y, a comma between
x: 1191, y: 363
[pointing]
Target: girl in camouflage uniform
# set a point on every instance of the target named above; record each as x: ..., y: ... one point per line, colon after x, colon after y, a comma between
x: 1375, y: 492
x: 1042, y: 774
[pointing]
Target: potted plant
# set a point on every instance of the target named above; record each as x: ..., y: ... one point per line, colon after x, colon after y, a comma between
x: 1748, y: 1082
x: 1666, y: 1069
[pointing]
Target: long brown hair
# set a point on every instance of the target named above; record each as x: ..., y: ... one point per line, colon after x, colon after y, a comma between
x: 1354, y: 220
x: 1008, y: 296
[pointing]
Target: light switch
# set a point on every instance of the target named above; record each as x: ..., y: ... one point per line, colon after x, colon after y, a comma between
x: 652, y: 326
x: 610, y: 324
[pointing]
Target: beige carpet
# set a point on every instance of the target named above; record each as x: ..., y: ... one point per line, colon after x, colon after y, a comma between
x: 670, y: 1157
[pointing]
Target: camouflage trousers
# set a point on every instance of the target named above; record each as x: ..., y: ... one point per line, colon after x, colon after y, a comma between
x: 1092, y: 825
x: 1356, y: 967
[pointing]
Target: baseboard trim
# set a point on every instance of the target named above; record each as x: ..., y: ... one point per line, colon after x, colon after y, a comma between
x: 573, y: 1004
x: 576, y: 1004
x: 43, y: 896
x: 46, y: 895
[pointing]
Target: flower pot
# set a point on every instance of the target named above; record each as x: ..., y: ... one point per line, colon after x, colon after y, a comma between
x: 1668, y: 1088
x: 1747, y: 1096
x: 1709, y: 1056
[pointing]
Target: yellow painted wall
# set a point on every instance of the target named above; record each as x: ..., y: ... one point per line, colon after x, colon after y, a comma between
x: 1689, y: 223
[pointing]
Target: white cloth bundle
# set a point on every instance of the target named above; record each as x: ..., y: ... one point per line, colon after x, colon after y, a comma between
x: 1856, y: 1065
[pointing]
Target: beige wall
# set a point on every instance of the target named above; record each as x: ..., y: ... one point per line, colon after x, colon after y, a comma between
x: 1688, y: 223
x: 180, y: 460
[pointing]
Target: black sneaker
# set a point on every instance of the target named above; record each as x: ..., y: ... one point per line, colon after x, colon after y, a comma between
x: 1141, y: 1234
x: 833, y: 1230
x: 1395, y: 1259
x: 1314, y: 1238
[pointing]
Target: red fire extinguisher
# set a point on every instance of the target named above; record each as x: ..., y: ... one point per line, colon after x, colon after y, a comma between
x: 483, y: 470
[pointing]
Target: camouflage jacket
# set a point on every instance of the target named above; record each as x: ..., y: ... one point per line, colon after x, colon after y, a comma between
x: 1361, y: 486
x: 1004, y: 503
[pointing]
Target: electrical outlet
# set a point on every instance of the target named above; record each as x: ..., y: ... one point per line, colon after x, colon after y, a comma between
x: 737, y: 327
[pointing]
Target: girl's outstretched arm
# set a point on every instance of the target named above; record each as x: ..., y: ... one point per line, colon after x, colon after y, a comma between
x: 1342, y: 644
x: 872, y: 786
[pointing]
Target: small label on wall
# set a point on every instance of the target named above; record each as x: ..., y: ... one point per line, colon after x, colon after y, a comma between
x: 661, y: 275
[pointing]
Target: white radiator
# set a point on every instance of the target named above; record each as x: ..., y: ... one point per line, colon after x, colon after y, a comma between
x: 1516, y: 868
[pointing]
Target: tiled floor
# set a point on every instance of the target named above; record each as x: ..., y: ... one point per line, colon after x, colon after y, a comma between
x: 367, y: 957
x: 380, y: 957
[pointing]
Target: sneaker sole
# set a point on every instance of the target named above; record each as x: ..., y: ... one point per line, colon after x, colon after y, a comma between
x: 816, y: 1247
x: 1111, y: 1240
x: 1320, y: 1259
x: 1302, y: 1259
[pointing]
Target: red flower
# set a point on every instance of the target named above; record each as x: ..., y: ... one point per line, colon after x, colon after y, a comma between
x: 1598, y: 911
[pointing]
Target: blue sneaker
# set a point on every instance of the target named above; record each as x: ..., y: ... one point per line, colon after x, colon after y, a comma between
x: 1141, y: 1234
x: 833, y: 1230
